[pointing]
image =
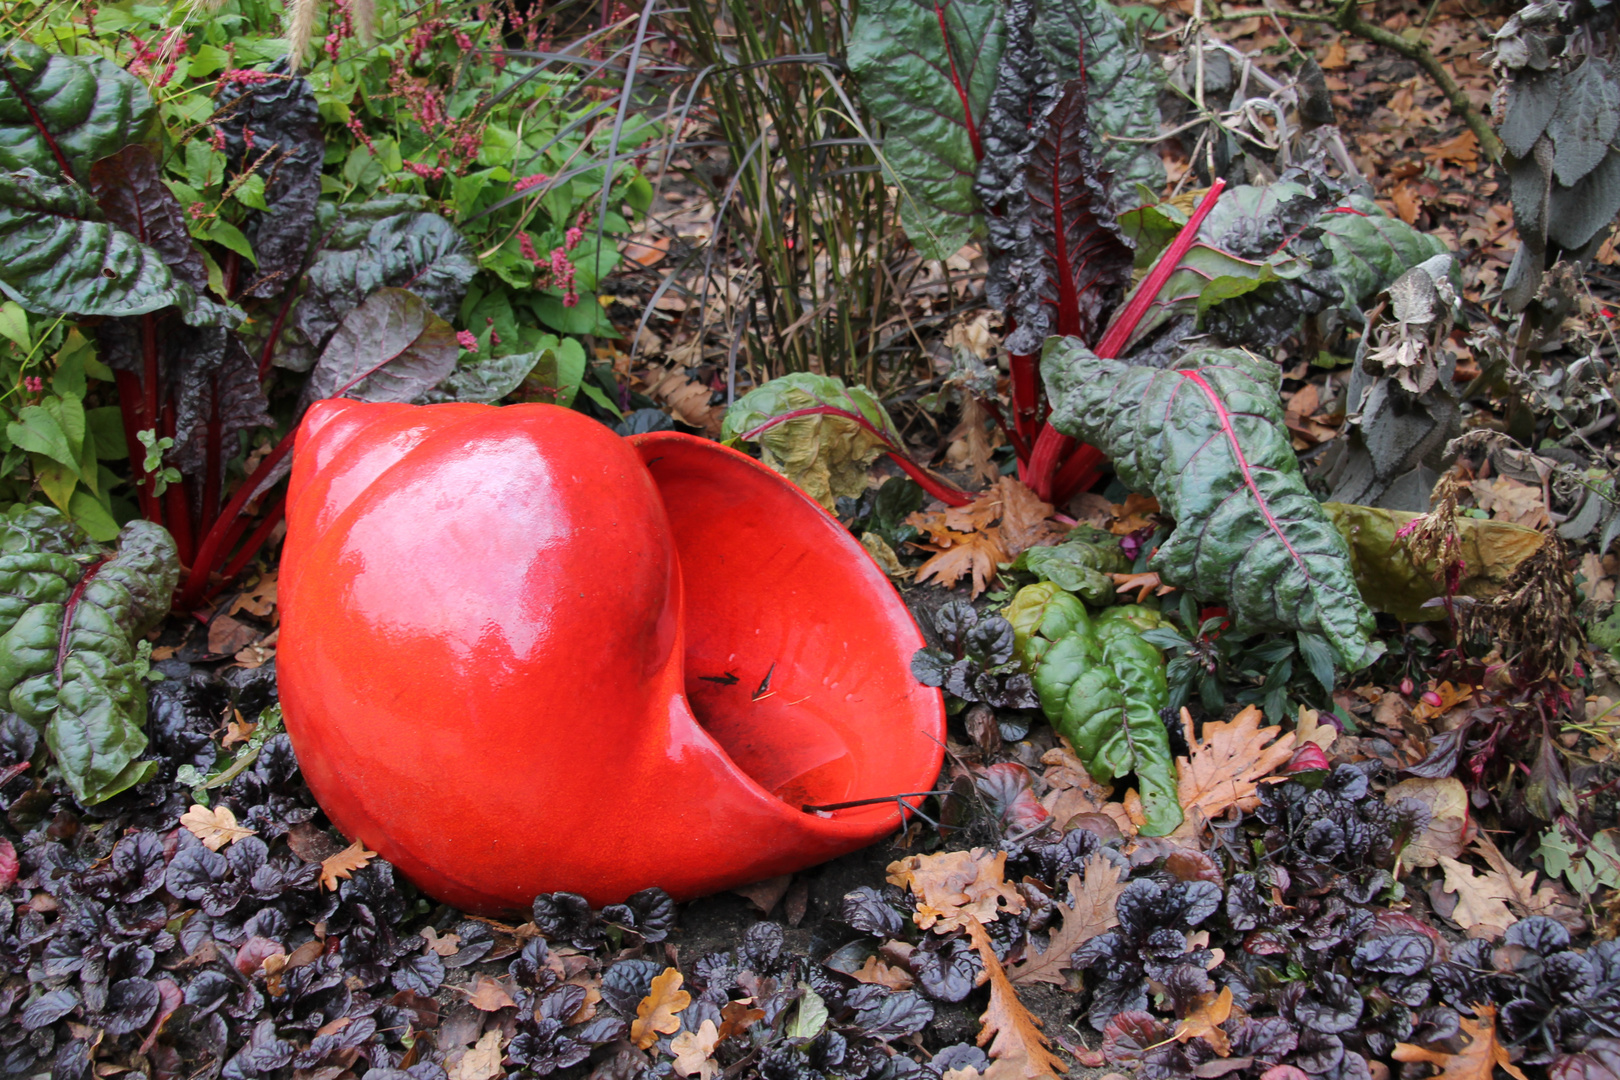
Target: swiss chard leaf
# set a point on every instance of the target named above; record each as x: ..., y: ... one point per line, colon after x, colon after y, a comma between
x: 391, y: 241
x: 217, y: 395
x: 826, y: 455
x: 273, y: 129
x: 390, y: 348
x: 130, y: 190
x: 490, y: 379
x: 926, y: 71
x: 70, y: 659
x: 1207, y: 439
x: 1080, y: 263
x: 57, y: 255
x: 1091, y: 38
x: 1266, y: 257
x: 59, y: 113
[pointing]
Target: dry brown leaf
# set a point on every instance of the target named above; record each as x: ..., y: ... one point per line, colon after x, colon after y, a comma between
x: 1476, y: 1061
x: 737, y: 1017
x: 1205, y: 1020
x: 1017, y: 1049
x: 259, y: 653
x: 645, y: 249
x: 446, y: 945
x: 227, y: 635
x: 1450, y: 697
x: 214, y: 827
x: 693, y: 1050
x: 1310, y: 729
x: 1227, y: 765
x: 656, y: 1015
x: 1511, y: 500
x: 1025, y: 518
x: 483, y: 1061
x: 1550, y: 900
x: 259, y: 600
x: 488, y: 995
x: 1406, y: 204
x: 337, y: 867
x: 1095, y: 897
x: 1335, y: 59
x: 1070, y: 787
x: 765, y: 895
x: 970, y: 444
x: 1144, y: 585
x: 237, y: 731
x: 974, y: 554
x: 1132, y: 514
x: 954, y: 888
x: 881, y: 974
x: 1462, y: 150
x: 1481, y: 899
x: 1445, y: 834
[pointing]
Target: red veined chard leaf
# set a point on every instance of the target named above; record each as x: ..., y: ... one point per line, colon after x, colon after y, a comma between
x: 926, y: 69
x: 390, y: 348
x: 131, y: 193
x: 57, y: 255
x: 1079, y: 263
x: 1267, y: 257
x: 1206, y: 438
x: 59, y: 113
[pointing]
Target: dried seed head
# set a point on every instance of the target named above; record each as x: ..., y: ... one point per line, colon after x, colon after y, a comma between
x: 300, y: 29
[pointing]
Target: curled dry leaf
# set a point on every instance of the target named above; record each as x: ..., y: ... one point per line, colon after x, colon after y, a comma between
x: 338, y: 867
x: 1095, y: 897
x: 488, y: 995
x: 1476, y: 1061
x: 1205, y: 1020
x: 656, y: 1014
x: 1446, y: 833
x: 1017, y: 1048
x: 215, y: 827
x: 881, y: 974
x: 1227, y: 765
x: 1481, y: 899
x: 955, y: 888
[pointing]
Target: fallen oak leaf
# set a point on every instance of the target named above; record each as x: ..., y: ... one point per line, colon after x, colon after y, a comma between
x: 1096, y: 894
x: 656, y: 1013
x: 1446, y: 833
x: 341, y: 866
x: 1227, y: 765
x: 446, y: 945
x: 1017, y: 1048
x: 1476, y: 1061
x: 1481, y: 899
x: 976, y: 554
x: 693, y: 1051
x: 737, y: 1017
x: 877, y: 972
x: 1205, y: 1020
x: 215, y: 827
x: 1133, y: 514
x: 954, y: 888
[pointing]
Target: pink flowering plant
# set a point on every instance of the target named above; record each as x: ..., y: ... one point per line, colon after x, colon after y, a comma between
x: 268, y: 227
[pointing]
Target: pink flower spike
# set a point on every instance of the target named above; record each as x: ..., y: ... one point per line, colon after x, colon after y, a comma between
x: 468, y: 342
x: 570, y: 298
x: 530, y: 182
x: 573, y: 237
x: 34, y: 384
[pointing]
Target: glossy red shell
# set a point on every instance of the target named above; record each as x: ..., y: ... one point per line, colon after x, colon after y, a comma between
x: 520, y: 654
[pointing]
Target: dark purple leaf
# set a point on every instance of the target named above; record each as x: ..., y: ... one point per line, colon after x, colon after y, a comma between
x: 281, y: 118
x: 129, y: 188
x: 264, y: 1052
x: 131, y: 1004
x: 945, y: 970
x: 762, y: 947
x: 625, y: 983
x: 889, y: 1016
x: 217, y: 395
x: 1128, y: 1035
x: 390, y: 348
x: 869, y: 911
x: 1600, y: 1060
x: 48, y: 1008
x: 1331, y: 1006
x: 1396, y: 954
x: 423, y: 973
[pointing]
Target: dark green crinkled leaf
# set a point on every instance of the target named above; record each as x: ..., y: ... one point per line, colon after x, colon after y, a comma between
x: 1588, y: 114
x: 57, y: 255
x: 488, y: 380
x: 86, y: 686
x: 1103, y: 688
x: 1267, y: 257
x: 392, y: 241
x: 827, y: 456
x: 390, y: 348
x: 59, y: 113
x: 904, y: 65
x: 1123, y: 79
x: 1081, y: 564
x: 1206, y: 438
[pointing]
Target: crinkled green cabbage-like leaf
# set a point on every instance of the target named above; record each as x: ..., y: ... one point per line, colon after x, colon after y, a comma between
x: 57, y: 255
x: 1103, y: 688
x: 904, y: 62
x: 60, y: 113
x: 1081, y: 564
x: 825, y: 455
x: 83, y: 684
x: 1206, y: 438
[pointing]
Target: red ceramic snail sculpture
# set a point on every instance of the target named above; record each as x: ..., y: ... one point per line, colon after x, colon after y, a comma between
x: 520, y: 654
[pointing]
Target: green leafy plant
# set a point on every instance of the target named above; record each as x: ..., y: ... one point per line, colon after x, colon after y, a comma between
x: 1102, y: 685
x: 73, y: 658
x: 1206, y: 438
x: 231, y: 227
x: 1081, y: 564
